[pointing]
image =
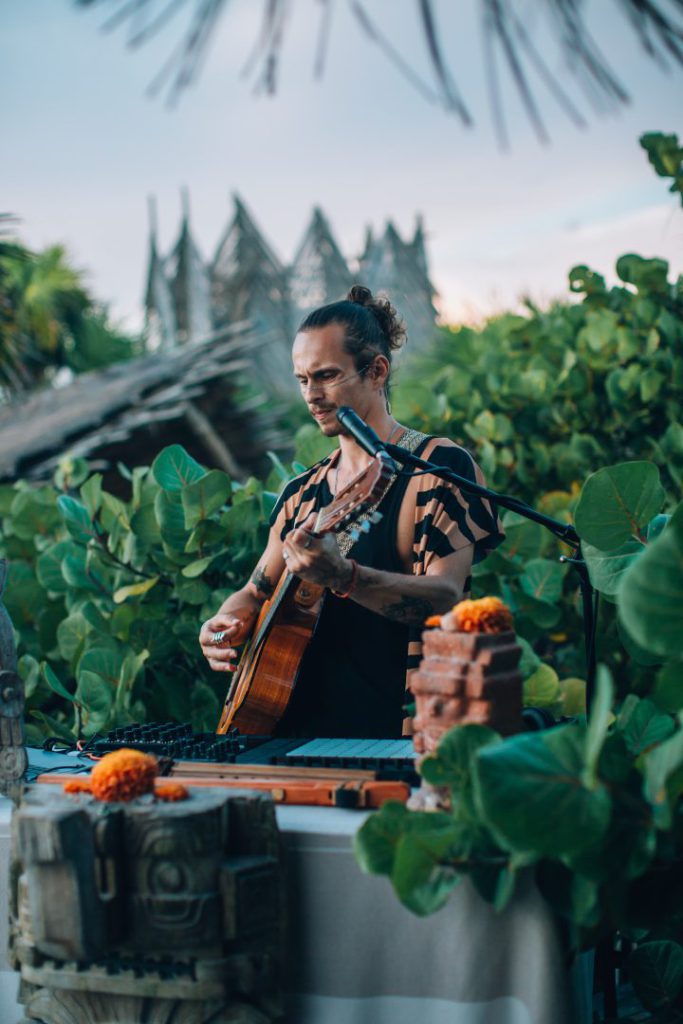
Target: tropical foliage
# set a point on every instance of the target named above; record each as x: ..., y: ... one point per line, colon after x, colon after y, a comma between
x: 48, y: 319
x: 107, y: 595
x: 593, y: 808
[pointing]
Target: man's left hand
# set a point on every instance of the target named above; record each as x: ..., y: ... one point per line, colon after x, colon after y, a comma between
x: 316, y: 559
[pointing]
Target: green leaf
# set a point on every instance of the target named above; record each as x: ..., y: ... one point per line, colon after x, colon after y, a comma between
x: 106, y: 662
x: 647, y: 275
x: 650, y: 384
x: 606, y: 568
x: 71, y: 636
x: 541, y: 613
x: 634, y: 650
x: 114, y: 513
x: 642, y: 724
x: 664, y: 777
x: 617, y: 502
x: 77, y: 519
x: 7, y: 496
x: 573, y: 696
x: 34, y: 512
x: 55, y: 683
x: 169, y: 514
x: 451, y: 763
x: 49, y: 567
x: 144, y: 524
x: 599, y: 716
x: 91, y: 494
x: 374, y: 844
x: 421, y: 883
x: 173, y: 469
x: 135, y: 590
x: 95, y: 695
x: 524, y: 538
x: 204, y: 497
x: 311, y: 445
x: 542, y: 579
x: 656, y: 970
x: 197, y: 567
x: 599, y: 330
x: 650, y: 598
x: 667, y: 693
x: 531, y: 792
x: 541, y: 688
x: 52, y: 726
x: 529, y: 661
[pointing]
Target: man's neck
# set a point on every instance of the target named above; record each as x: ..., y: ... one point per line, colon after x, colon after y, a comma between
x: 353, y: 457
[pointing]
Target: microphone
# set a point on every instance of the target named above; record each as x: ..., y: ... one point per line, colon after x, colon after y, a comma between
x: 359, y: 430
x: 362, y: 433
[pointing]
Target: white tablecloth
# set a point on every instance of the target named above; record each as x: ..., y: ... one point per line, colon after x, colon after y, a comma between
x: 356, y: 956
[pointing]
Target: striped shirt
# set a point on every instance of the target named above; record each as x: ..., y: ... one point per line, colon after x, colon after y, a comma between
x: 446, y: 518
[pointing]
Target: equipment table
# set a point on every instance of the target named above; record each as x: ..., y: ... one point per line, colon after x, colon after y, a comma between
x: 356, y: 956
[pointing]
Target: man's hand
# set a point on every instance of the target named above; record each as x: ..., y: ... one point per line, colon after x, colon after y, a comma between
x: 316, y: 559
x: 218, y: 649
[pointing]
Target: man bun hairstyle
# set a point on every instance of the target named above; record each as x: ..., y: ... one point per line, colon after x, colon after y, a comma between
x: 388, y: 319
x: 371, y: 325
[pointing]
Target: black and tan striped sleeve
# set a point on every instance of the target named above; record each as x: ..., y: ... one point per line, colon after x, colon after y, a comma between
x: 447, y: 518
x: 297, y: 499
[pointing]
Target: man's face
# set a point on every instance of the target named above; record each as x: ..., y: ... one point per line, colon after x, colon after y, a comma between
x: 328, y: 377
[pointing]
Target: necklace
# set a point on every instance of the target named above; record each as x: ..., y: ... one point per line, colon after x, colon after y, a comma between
x: 393, y: 433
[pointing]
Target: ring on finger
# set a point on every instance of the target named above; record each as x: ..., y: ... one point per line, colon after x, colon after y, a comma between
x: 285, y: 555
x: 217, y: 638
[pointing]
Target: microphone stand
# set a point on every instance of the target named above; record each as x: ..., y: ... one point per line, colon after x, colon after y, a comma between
x: 563, y: 531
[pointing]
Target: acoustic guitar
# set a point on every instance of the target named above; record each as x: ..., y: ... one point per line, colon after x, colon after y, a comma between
x: 267, y: 672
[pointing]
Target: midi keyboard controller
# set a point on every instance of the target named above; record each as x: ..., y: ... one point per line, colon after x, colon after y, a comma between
x: 387, y: 758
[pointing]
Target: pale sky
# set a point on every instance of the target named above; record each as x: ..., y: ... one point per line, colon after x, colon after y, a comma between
x: 83, y: 147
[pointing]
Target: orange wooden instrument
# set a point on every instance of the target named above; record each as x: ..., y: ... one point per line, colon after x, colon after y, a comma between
x: 304, y: 787
x: 266, y: 675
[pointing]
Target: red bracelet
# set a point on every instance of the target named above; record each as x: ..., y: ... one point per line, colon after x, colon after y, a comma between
x: 354, y: 581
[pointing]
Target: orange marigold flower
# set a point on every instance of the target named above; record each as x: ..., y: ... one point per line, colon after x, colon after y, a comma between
x: 487, y: 615
x: 77, y: 786
x: 433, y: 621
x: 171, y: 792
x: 123, y: 775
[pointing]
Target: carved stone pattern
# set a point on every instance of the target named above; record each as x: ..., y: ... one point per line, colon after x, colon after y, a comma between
x: 147, y: 912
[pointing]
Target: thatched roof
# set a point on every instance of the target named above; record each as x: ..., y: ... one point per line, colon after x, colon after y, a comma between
x: 194, y: 395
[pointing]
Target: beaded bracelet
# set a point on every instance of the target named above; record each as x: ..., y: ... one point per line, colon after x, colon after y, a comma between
x: 353, y: 583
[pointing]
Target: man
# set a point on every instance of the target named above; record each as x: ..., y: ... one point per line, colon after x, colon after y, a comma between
x: 415, y: 563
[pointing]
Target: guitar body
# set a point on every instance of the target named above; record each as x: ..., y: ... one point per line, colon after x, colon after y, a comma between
x: 266, y: 675
x: 269, y: 667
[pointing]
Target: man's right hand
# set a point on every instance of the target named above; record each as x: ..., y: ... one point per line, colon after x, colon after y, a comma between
x: 222, y: 656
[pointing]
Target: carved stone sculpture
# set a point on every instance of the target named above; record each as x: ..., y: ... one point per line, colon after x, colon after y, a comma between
x: 164, y: 913
x: 12, y: 752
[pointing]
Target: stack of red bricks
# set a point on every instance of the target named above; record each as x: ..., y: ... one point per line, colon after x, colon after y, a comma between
x: 466, y: 677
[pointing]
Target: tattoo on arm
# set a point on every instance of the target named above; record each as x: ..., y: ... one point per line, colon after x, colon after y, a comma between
x: 263, y: 584
x: 411, y: 610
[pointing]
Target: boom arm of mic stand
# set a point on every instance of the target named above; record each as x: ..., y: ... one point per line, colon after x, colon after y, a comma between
x: 563, y: 531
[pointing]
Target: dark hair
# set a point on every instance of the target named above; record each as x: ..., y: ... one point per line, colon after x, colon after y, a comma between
x: 371, y: 325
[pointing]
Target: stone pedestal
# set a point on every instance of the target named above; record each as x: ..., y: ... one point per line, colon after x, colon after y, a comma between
x: 12, y: 752
x: 463, y: 678
x: 147, y: 912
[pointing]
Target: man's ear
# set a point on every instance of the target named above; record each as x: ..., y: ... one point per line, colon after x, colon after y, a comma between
x: 380, y: 369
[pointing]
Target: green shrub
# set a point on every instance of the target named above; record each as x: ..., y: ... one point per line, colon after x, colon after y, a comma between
x: 594, y: 808
x: 107, y: 596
